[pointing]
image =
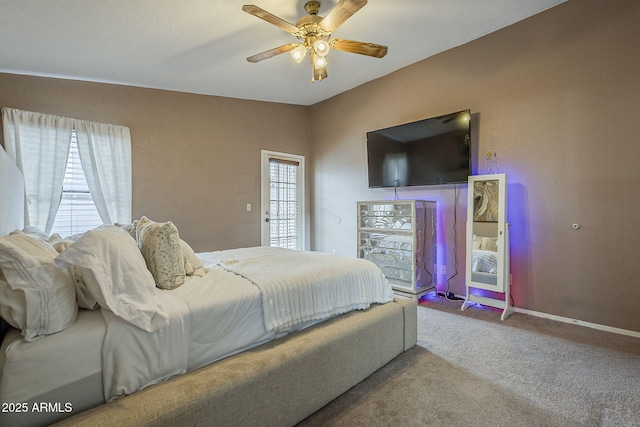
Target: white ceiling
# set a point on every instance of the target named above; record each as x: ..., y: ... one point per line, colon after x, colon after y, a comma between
x: 201, y: 46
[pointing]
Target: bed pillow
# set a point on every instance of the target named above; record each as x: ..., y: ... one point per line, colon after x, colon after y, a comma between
x: 37, y: 297
x: 33, y: 232
x: 114, y: 273
x: 61, y: 245
x: 58, y: 242
x: 84, y: 295
x: 192, y: 264
x: 84, y: 299
x: 159, y: 243
x: 489, y: 244
x: 13, y: 305
x: 129, y: 228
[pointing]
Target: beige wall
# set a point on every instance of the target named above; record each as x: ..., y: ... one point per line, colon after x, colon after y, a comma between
x: 196, y: 159
x: 557, y: 96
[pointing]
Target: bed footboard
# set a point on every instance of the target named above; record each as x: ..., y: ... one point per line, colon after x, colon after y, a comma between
x: 276, y: 384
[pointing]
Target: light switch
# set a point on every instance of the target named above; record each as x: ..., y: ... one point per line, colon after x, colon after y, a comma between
x: 248, y: 207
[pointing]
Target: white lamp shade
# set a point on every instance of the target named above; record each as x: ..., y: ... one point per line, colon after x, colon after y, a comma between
x: 321, y: 47
x: 299, y: 53
x: 319, y: 61
x: 319, y: 65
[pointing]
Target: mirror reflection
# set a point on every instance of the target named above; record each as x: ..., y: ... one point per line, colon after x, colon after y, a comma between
x: 484, y: 265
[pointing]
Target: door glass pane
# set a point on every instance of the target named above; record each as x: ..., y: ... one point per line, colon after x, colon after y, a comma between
x: 283, y: 204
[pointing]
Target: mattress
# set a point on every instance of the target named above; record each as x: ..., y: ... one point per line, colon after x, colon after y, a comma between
x: 64, y: 364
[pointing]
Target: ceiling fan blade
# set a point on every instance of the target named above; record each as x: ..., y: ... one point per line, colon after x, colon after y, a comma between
x: 272, y: 52
x: 361, y: 48
x: 340, y: 13
x: 270, y: 18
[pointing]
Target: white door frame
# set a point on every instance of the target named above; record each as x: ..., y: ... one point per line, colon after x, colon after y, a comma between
x: 265, y: 195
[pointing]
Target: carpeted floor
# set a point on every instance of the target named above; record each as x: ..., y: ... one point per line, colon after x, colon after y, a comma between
x: 471, y: 369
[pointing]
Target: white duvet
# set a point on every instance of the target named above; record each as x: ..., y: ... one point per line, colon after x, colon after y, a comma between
x: 299, y: 287
x: 484, y: 261
x: 248, y: 297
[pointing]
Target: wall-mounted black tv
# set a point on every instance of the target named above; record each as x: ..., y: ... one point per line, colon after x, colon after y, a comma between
x: 427, y: 152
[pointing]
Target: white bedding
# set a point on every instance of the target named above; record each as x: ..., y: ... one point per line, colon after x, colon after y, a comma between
x: 484, y: 261
x: 133, y: 358
x: 210, y: 317
x: 226, y: 312
x: 298, y: 287
x: 102, y: 357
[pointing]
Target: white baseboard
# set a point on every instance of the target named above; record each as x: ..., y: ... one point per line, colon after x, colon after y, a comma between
x: 571, y: 321
x: 579, y: 322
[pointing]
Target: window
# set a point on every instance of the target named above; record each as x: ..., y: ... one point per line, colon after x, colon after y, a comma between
x: 77, y: 212
x: 84, y: 165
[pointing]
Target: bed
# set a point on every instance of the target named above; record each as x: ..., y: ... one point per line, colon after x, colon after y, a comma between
x: 234, y: 342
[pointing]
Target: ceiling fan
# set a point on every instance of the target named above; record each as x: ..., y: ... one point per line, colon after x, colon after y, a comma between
x: 314, y: 34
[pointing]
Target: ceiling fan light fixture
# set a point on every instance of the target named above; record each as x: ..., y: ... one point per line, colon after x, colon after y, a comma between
x: 319, y: 66
x: 319, y: 74
x: 314, y: 35
x: 321, y: 47
x: 318, y: 61
x: 299, y: 53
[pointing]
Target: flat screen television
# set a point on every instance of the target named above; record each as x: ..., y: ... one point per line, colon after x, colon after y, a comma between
x: 426, y: 152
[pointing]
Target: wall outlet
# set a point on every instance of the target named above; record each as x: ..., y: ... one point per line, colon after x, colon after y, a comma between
x: 443, y: 269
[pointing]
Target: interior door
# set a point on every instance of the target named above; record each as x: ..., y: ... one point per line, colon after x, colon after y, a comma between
x: 283, y: 198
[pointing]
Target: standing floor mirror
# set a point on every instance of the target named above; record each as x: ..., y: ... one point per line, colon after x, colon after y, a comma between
x: 487, y: 264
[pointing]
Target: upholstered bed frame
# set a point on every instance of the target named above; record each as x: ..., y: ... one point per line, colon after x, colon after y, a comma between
x: 276, y: 384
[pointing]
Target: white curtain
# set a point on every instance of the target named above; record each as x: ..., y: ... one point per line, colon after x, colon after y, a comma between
x: 105, y: 154
x: 39, y: 145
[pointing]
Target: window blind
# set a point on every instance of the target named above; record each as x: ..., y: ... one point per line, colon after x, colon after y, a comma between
x: 77, y: 212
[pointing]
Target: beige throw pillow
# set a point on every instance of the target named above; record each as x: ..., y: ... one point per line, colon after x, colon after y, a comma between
x: 159, y: 243
x: 192, y: 264
x: 129, y: 228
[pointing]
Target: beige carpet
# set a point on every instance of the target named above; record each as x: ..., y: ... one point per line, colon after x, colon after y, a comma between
x: 471, y: 369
